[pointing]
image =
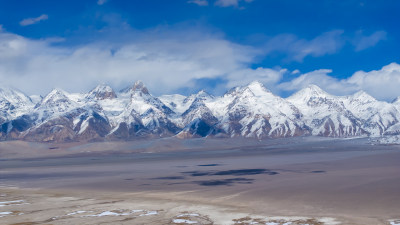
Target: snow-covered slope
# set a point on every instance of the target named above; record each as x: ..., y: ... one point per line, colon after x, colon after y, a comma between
x: 248, y: 111
x: 375, y: 116
x: 325, y: 114
x: 142, y: 114
x: 13, y: 103
x: 175, y: 102
x: 253, y: 111
x: 354, y: 115
x: 54, y: 104
x: 101, y: 92
x: 198, y: 119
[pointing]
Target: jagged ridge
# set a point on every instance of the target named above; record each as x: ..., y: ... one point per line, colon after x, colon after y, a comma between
x: 249, y: 111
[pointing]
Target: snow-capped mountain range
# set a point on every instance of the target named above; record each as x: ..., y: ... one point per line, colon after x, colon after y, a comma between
x: 249, y: 111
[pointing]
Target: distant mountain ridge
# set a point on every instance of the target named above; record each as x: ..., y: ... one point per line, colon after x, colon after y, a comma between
x: 250, y: 111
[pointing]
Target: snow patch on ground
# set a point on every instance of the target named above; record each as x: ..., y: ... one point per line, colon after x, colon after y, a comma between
x: 117, y: 213
x: 394, y: 222
x: 188, y: 214
x: 76, y: 212
x: 15, y: 202
x: 5, y: 213
x: 191, y: 218
x: 136, y: 210
x: 106, y: 213
x: 329, y: 221
x: 287, y: 221
x: 149, y: 213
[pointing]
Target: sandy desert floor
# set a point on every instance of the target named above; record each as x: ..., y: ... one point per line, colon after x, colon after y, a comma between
x: 66, y: 207
x: 276, y: 182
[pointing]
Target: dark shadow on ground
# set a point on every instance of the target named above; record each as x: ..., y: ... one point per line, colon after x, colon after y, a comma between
x: 246, y: 172
x: 210, y: 165
x: 225, y: 182
x: 318, y: 171
x: 169, y: 178
x: 242, y: 172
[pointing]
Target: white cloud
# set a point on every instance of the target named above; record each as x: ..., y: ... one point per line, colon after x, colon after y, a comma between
x: 321, y: 78
x: 228, y: 3
x: 296, y: 71
x: 297, y: 49
x: 30, y: 21
x: 165, y: 63
x: 220, y: 3
x: 199, y: 2
x: 362, y: 42
x: 383, y: 84
x: 326, y: 43
x: 267, y: 76
x: 101, y: 2
x: 170, y: 60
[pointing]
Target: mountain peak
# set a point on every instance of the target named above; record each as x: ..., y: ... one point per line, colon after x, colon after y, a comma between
x: 55, y: 95
x: 7, y: 92
x: 137, y: 87
x: 140, y: 87
x: 363, y: 96
x: 203, y: 94
x: 256, y: 83
x: 11, y: 98
x: 257, y: 88
x: 308, y: 92
x: 102, y: 87
x: 57, y: 91
x: 101, y: 92
x: 315, y: 89
x: 254, y: 88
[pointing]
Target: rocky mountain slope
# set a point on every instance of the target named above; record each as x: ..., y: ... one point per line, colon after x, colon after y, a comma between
x: 249, y: 111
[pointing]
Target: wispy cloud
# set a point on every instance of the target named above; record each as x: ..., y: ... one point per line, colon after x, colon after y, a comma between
x: 220, y: 3
x: 199, y: 2
x: 228, y: 3
x: 101, y: 2
x: 30, y: 21
x: 327, y: 43
x: 362, y: 42
x: 297, y: 49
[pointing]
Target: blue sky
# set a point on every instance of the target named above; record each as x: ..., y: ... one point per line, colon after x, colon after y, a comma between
x: 187, y: 45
